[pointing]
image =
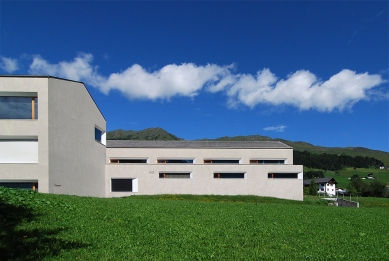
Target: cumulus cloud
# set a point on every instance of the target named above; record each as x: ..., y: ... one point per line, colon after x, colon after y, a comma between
x: 8, y: 64
x: 301, y: 89
x: 135, y: 82
x: 278, y: 128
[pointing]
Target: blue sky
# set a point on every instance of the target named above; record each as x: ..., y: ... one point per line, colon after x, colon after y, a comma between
x: 314, y: 71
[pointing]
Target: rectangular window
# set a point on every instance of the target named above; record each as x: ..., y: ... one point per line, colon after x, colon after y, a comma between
x: 221, y: 161
x: 21, y: 150
x: 15, y: 107
x: 133, y: 161
x: 124, y: 185
x: 100, y: 136
x: 267, y: 161
x: 20, y: 185
x: 282, y: 175
x: 175, y: 161
x: 174, y: 175
x: 228, y: 175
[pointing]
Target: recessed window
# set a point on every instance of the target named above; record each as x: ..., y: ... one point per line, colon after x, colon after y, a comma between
x: 228, y: 175
x: 133, y: 161
x: 19, y: 149
x: 174, y: 175
x: 124, y: 185
x: 100, y: 136
x: 282, y: 175
x: 278, y: 161
x: 175, y: 161
x: 229, y: 161
x: 15, y: 107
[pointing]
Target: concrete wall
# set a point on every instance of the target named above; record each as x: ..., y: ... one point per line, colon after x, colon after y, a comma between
x: 202, y: 181
x: 347, y: 203
x: 77, y: 161
x: 17, y: 129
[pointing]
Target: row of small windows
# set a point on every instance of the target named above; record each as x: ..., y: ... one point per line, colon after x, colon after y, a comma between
x: 130, y: 185
x: 191, y: 161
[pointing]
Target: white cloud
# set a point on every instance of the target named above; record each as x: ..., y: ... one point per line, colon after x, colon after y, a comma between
x: 135, y: 82
x: 300, y: 89
x: 8, y: 64
x: 278, y: 128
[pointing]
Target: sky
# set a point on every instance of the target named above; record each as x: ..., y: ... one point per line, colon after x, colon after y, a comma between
x: 313, y: 71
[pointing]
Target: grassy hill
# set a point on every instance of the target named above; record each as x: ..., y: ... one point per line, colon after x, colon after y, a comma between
x: 38, y: 226
x: 161, y: 134
x: 147, y: 134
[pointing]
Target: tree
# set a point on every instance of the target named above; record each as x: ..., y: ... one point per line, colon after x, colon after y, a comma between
x: 313, y: 187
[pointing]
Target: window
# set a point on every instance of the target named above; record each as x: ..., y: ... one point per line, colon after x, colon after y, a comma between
x: 174, y: 175
x: 228, y: 175
x: 15, y: 107
x: 124, y: 185
x: 20, y: 185
x: 100, y: 136
x: 221, y: 161
x: 128, y: 161
x: 20, y: 149
x: 282, y: 175
x: 278, y: 161
x: 175, y: 161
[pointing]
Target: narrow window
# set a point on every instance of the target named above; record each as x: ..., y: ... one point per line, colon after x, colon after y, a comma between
x: 278, y: 161
x: 221, y: 161
x: 174, y: 175
x: 228, y: 175
x: 133, y: 161
x: 175, y: 161
x: 20, y: 185
x: 100, y: 136
x: 282, y: 175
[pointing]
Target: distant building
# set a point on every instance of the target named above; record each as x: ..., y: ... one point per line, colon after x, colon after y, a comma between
x: 326, y: 185
x: 52, y: 139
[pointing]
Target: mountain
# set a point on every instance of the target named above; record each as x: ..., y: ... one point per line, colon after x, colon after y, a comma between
x: 161, y: 134
x: 147, y: 134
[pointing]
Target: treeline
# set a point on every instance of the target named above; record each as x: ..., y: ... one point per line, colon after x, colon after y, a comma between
x: 367, y: 189
x: 333, y: 161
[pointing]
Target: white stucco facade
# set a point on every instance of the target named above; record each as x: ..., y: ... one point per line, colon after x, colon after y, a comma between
x: 62, y: 149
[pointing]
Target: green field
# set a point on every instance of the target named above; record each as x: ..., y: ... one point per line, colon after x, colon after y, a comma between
x: 342, y: 176
x: 56, y: 227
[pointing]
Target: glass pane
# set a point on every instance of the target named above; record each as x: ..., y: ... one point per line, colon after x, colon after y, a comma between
x: 98, y: 134
x: 121, y: 185
x: 17, y: 108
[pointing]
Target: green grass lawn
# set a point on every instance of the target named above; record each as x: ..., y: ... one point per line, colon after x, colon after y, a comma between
x: 181, y: 227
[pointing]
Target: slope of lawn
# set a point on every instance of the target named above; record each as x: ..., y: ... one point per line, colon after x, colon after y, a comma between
x: 169, y: 227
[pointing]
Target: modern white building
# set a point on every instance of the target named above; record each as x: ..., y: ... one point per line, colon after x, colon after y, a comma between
x: 52, y: 139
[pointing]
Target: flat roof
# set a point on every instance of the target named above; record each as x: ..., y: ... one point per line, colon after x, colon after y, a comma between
x: 196, y: 144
